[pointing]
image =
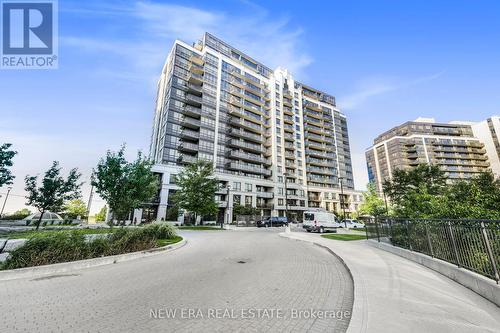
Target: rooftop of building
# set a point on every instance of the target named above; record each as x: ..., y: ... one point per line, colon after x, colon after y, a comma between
x: 219, y: 45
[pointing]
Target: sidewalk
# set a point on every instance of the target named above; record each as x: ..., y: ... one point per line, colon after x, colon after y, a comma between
x: 392, y: 294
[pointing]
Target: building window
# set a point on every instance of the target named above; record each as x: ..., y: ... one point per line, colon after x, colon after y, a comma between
x: 248, y: 200
x: 248, y: 187
x: 237, y: 186
x: 236, y: 199
x: 280, y: 202
x: 280, y: 190
x: 280, y: 179
x: 172, y: 179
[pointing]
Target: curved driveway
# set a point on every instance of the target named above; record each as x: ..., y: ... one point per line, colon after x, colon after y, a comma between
x: 221, y: 281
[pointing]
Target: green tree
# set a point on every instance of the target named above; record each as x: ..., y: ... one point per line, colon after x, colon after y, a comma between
x: 409, y: 188
x: 197, y: 187
x: 6, y: 156
x: 477, y: 198
x: 54, y: 190
x: 101, y: 215
x: 124, y: 185
x: 372, y: 204
x: 74, y: 208
x: 244, y: 210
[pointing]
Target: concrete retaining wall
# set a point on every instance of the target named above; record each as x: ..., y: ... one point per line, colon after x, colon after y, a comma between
x: 475, y: 282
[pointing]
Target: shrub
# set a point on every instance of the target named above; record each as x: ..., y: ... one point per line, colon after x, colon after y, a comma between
x: 161, y: 230
x: 48, y: 249
x: 66, y: 246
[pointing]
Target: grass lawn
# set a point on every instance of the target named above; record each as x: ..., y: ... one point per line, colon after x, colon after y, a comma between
x: 199, y: 227
x: 165, y: 242
x: 344, y: 237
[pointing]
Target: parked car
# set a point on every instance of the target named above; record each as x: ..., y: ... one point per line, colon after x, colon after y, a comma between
x: 320, y: 221
x: 273, y: 221
x: 353, y: 224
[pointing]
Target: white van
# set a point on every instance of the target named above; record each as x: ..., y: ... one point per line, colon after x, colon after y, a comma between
x: 320, y: 220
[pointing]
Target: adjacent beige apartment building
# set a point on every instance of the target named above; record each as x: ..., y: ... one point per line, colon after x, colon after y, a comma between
x: 276, y: 143
x: 461, y: 149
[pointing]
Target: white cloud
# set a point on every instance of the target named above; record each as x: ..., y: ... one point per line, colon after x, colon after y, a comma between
x: 376, y: 86
x: 269, y: 39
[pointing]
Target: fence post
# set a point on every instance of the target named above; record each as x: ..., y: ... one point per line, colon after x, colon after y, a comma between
x: 490, y: 252
x: 376, y: 228
x: 408, y: 234
x: 429, y: 239
x: 390, y: 230
x: 453, y: 243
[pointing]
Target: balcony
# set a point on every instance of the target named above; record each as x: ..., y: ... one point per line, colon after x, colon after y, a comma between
x: 288, y: 128
x: 235, y: 154
x: 265, y: 205
x: 246, y: 124
x: 267, y: 195
x: 317, y: 162
x: 321, y: 154
x: 188, y: 134
x: 190, y: 122
x: 195, y: 89
x: 248, y: 168
x: 186, y: 159
x: 312, y: 106
x: 188, y: 147
x: 192, y: 111
x: 194, y: 100
x: 196, y: 59
x: 245, y: 135
x: 195, y: 68
x: 246, y: 146
x: 287, y: 93
x: 195, y: 78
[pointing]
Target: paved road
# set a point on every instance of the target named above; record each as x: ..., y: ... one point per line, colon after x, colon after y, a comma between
x: 224, y: 274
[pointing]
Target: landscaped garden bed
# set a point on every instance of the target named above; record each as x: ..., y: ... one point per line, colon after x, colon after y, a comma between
x: 54, y: 246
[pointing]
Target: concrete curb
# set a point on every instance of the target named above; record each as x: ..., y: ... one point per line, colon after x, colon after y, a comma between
x: 481, y: 285
x: 357, y: 322
x: 32, y: 272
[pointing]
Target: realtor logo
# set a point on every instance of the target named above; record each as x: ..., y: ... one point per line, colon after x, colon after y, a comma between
x: 29, y: 34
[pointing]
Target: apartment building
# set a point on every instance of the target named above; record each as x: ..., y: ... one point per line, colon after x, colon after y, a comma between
x: 275, y: 143
x: 457, y: 147
x: 488, y: 132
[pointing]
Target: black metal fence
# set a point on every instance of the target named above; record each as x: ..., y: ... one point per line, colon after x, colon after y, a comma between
x: 471, y: 244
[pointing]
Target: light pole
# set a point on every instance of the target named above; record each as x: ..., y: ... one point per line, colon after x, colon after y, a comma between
x: 5, y: 201
x: 342, y: 198
x: 90, y: 196
x: 385, y: 200
x: 228, y: 187
x: 286, y: 197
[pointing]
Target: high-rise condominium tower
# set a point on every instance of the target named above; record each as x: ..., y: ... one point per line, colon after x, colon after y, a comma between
x: 275, y: 143
x: 461, y: 149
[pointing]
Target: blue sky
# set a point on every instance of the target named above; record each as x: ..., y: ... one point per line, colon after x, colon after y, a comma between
x: 386, y: 62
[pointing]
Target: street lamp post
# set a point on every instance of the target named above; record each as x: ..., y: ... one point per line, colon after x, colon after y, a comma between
x: 286, y: 197
x: 90, y: 196
x: 342, y: 198
x: 5, y: 201
x: 228, y: 187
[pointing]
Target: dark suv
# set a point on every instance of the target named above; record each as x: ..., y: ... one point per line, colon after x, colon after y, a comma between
x: 274, y: 221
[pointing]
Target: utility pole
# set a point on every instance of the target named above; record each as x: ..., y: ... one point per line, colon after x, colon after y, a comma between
x: 5, y: 201
x: 342, y: 198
